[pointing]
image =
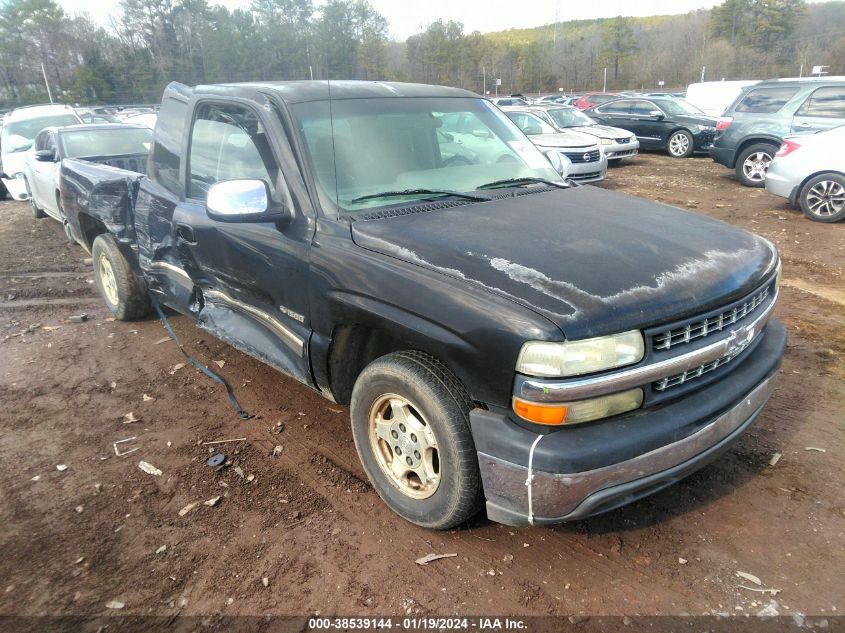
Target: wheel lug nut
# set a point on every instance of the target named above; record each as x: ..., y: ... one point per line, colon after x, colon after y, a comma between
x: 409, y: 460
x: 402, y: 427
x: 398, y: 451
x: 413, y: 437
x: 417, y: 454
x: 394, y: 434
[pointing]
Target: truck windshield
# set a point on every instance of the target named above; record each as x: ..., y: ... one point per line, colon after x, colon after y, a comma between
x: 421, y: 147
x: 105, y: 142
x: 18, y: 136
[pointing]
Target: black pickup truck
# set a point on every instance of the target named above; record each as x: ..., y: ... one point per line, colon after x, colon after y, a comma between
x: 556, y: 351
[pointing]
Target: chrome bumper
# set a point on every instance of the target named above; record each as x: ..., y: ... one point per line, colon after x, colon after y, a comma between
x: 545, y: 497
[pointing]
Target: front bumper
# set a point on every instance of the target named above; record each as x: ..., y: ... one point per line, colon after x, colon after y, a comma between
x: 592, y: 468
x: 588, y: 172
x: 622, y: 150
x: 16, y: 188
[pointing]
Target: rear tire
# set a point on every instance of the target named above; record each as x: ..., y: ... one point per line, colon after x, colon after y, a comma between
x: 122, y: 289
x: 753, y: 163
x: 680, y: 144
x: 822, y: 199
x: 410, y: 423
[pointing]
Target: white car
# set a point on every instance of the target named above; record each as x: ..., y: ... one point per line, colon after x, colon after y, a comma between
x: 20, y: 127
x: 583, y: 154
x: 809, y: 171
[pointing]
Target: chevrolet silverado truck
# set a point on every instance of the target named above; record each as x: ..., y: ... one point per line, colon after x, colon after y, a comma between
x: 501, y: 337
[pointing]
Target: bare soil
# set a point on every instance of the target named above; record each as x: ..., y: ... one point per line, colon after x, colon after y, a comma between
x: 306, y: 520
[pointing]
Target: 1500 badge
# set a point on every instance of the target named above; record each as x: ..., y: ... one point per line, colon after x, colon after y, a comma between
x: 293, y: 315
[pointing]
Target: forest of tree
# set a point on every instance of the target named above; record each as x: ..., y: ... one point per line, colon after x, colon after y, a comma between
x: 152, y: 42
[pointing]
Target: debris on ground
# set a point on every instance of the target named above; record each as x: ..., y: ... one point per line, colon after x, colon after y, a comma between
x: 129, y: 418
x: 161, y: 549
x: 425, y: 560
x: 220, y: 363
x: 775, y: 459
x: 118, y: 453
x: 78, y: 318
x: 176, y: 368
x: 79, y: 509
x: 148, y: 398
x: 772, y: 592
x: 216, y: 460
x: 188, y: 508
x: 239, y: 472
x: 815, y: 448
x: 213, y: 501
x: 162, y: 340
x: 250, y: 477
x: 61, y: 467
x: 277, y: 450
x: 770, y: 610
x: 36, y: 478
x: 749, y: 577
x: 115, y: 604
x: 149, y: 468
x: 236, y: 439
x: 265, y: 581
x: 682, y: 561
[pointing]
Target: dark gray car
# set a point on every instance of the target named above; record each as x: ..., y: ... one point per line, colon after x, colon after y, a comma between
x: 752, y: 128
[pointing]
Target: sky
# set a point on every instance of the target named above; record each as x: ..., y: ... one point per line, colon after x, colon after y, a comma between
x: 407, y: 17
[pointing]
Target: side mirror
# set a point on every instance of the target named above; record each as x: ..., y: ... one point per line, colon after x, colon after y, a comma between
x: 45, y: 156
x: 657, y: 114
x: 243, y: 201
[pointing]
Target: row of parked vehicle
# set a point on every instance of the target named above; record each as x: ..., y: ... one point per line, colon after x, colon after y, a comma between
x: 765, y: 123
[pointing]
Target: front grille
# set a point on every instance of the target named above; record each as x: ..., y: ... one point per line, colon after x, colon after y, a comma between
x: 704, y: 327
x: 679, y: 379
x: 590, y: 156
x: 626, y: 139
x: 590, y: 176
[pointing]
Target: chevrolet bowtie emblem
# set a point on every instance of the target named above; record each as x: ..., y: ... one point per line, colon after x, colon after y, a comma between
x: 739, y: 339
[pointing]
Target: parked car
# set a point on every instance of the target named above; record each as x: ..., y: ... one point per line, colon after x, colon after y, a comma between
x: 809, y: 171
x: 20, y: 126
x: 660, y: 123
x: 592, y: 99
x: 117, y: 145
x: 508, y: 101
x: 552, y: 99
x: 488, y: 324
x: 145, y: 119
x: 616, y: 142
x: 752, y: 128
x: 586, y: 160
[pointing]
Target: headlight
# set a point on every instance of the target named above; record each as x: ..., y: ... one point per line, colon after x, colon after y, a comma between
x: 573, y: 358
x: 606, y: 141
x: 579, y: 411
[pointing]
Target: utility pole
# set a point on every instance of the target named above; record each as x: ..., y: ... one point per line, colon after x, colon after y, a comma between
x: 604, y: 85
x: 801, y: 72
x: 44, y: 74
x: 484, y: 80
x: 703, y: 68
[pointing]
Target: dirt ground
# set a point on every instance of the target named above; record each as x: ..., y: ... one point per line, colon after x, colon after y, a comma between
x: 299, y: 529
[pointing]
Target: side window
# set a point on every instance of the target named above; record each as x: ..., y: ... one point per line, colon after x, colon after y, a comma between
x: 825, y: 102
x: 766, y: 100
x: 616, y: 107
x: 168, y: 141
x: 228, y: 142
x: 41, y: 140
x: 642, y: 108
x: 50, y: 143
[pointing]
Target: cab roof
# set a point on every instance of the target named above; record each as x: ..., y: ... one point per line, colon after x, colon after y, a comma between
x: 319, y: 90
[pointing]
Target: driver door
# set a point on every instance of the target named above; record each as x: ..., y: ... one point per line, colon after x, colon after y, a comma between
x: 251, y: 276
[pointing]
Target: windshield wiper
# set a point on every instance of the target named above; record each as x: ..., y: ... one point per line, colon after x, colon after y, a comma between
x: 521, y: 182
x: 416, y: 192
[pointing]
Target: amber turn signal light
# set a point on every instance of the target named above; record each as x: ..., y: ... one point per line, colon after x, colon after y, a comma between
x: 540, y: 413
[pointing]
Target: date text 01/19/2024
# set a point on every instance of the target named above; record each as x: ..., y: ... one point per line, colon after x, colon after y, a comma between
x: 416, y: 624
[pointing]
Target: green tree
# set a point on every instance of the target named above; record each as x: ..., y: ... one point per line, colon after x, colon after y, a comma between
x: 618, y: 43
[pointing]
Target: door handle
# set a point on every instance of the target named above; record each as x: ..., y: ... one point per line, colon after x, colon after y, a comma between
x: 185, y: 233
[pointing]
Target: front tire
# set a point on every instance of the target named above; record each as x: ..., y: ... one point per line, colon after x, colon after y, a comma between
x: 822, y: 199
x: 121, y: 288
x: 37, y: 213
x: 410, y: 423
x: 753, y: 163
x: 680, y: 144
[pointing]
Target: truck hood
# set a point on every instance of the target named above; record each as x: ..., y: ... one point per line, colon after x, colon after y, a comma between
x: 592, y: 261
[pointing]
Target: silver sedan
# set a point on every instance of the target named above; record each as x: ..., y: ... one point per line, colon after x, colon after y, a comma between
x: 809, y: 171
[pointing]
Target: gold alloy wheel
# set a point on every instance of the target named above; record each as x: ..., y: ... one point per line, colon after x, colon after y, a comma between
x: 107, y: 280
x: 404, y: 446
